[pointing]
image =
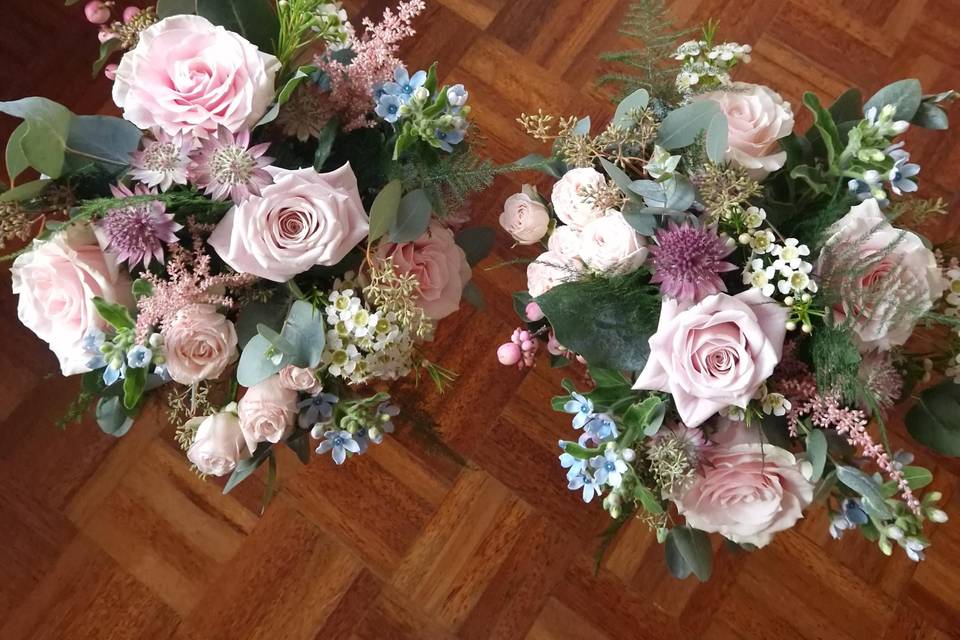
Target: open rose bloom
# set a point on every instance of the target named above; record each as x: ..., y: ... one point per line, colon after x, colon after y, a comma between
x: 742, y: 304
x: 232, y: 242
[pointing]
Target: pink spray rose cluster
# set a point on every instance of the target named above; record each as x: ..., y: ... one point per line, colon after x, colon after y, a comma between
x: 525, y: 217
x: 187, y: 76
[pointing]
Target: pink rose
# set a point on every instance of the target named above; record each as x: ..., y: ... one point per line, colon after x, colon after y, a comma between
x: 609, y: 244
x: 199, y: 344
x: 565, y: 241
x: 57, y: 280
x: 524, y: 217
x: 267, y: 412
x: 302, y: 220
x: 300, y: 379
x: 439, y: 265
x: 881, y: 256
x: 188, y: 76
x: 549, y: 270
x: 715, y: 353
x: 748, y: 489
x: 757, y: 118
x: 219, y: 445
x: 568, y: 201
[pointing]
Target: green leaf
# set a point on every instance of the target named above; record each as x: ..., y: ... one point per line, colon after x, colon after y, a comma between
x: 675, y: 194
x: 474, y: 295
x: 847, y: 107
x: 245, y: 467
x: 648, y: 500
x: 643, y: 417
x: 107, y: 49
x: 26, y: 191
x: 600, y: 324
x: 112, y: 418
x: 255, y: 20
x: 824, y: 123
x: 617, y: 174
x: 45, y: 140
x: 271, y: 313
x: 824, y: 488
x: 682, y: 126
x: 816, y: 452
x: 258, y: 361
x: 931, y: 116
x: 642, y: 219
x: 604, y: 378
x: 520, y: 301
x: 304, y: 330
x: 813, y: 176
x: 141, y: 288
x: 905, y: 95
x: 134, y: 382
x: 582, y: 128
x: 167, y: 8
x: 694, y: 547
x: 579, y: 452
x: 554, y: 167
x: 413, y: 217
x: 325, y: 143
x: 116, y: 315
x: 867, y: 487
x: 678, y: 567
x: 476, y: 243
x: 717, y: 136
x: 300, y: 444
x: 917, y: 477
x: 103, y: 141
x: 384, y: 210
x: 17, y: 161
x: 934, y: 421
x: 271, y: 482
x: 636, y: 101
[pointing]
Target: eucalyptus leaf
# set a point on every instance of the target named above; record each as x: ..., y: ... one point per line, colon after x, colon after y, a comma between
x: 867, y: 487
x: 26, y: 191
x: 520, y: 301
x: 112, y: 418
x: 617, y: 174
x: 640, y: 218
x: 474, y: 295
x: 271, y: 313
x: 104, y: 141
x: 476, y: 243
x: 413, y: 217
x: 905, y: 95
x: 325, y: 143
x: 246, y: 467
x: 17, y: 161
x: 582, y: 128
x: 554, y: 167
x: 255, y: 20
x: 107, y: 49
x: 934, y: 421
x: 384, y: 210
x: 678, y: 567
x: 278, y: 342
x: 717, y: 136
x: 45, y: 140
x: 636, y: 101
x: 304, y: 330
x: 931, y: 116
x: 816, y: 453
x: 683, y: 126
x: 167, y: 8
x: 694, y: 547
x: 257, y: 362
x: 648, y: 500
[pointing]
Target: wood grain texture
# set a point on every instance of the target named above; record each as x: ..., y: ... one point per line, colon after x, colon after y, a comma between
x: 117, y: 539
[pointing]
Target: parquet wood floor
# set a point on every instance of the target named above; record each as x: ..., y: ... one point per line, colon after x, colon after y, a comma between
x: 102, y: 538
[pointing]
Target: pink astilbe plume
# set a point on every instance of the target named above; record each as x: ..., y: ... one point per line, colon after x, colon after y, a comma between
x: 352, y: 85
x: 188, y: 281
x: 827, y: 411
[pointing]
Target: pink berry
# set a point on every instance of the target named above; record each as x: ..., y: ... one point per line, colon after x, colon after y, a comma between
x: 110, y: 71
x: 130, y: 13
x: 96, y: 11
x: 533, y: 312
x: 509, y: 354
x: 528, y: 345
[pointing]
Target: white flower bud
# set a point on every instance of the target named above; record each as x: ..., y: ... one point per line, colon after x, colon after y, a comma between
x: 937, y: 515
x: 791, y: 325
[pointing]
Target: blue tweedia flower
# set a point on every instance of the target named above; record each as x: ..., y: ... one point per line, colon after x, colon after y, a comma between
x: 914, y: 548
x: 338, y: 443
x: 588, y: 484
x: 111, y: 374
x: 457, y: 96
x: 582, y: 408
x: 608, y: 468
x: 91, y: 344
x: 139, y: 357
x: 851, y: 516
x: 574, y: 465
x: 450, y: 138
x: 902, y: 172
x: 404, y: 85
x: 362, y: 436
x: 316, y: 409
x: 388, y: 108
x: 163, y: 373
x: 601, y: 428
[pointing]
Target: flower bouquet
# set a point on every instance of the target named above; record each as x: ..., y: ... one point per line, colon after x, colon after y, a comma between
x: 749, y: 304
x: 280, y: 208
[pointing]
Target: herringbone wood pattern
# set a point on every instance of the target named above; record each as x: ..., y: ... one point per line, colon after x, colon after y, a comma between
x: 102, y: 538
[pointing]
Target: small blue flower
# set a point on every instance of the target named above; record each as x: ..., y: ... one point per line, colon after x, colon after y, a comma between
x: 457, y: 95
x: 450, y: 138
x: 92, y: 341
x: 609, y: 468
x: 139, y: 357
x: 404, y: 85
x: 899, y: 176
x: 339, y: 443
x: 601, y: 427
x: 574, y: 465
x: 362, y: 436
x: 582, y: 408
x: 162, y: 372
x: 388, y: 108
x: 589, y: 485
x: 914, y: 548
x: 851, y: 516
x: 318, y: 408
x: 112, y: 374
x: 389, y: 410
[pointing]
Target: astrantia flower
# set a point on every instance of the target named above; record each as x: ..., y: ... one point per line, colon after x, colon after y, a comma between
x: 163, y: 162
x: 306, y: 114
x: 687, y: 261
x: 137, y: 233
x: 881, y: 378
x: 229, y: 166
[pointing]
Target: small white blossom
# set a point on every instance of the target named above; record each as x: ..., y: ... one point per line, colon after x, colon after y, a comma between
x: 754, y: 217
x: 775, y: 404
x: 762, y: 241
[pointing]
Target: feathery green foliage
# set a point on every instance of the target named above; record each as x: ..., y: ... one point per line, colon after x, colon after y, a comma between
x: 449, y: 181
x: 648, y: 66
x: 836, y: 361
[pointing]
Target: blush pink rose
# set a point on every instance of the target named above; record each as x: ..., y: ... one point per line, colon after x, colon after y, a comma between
x: 549, y: 270
x: 57, y: 281
x: 715, y: 353
x: 747, y: 490
x: 565, y: 241
x: 199, y: 344
x: 757, y: 118
x: 524, y: 217
x: 610, y: 245
x: 439, y: 265
x: 219, y: 445
x: 188, y: 76
x: 896, y: 260
x: 300, y: 379
x: 567, y: 197
x: 267, y: 412
x: 302, y: 220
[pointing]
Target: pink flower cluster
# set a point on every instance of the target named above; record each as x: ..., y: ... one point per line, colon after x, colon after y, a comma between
x: 521, y: 350
x: 352, y: 86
